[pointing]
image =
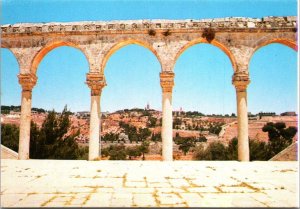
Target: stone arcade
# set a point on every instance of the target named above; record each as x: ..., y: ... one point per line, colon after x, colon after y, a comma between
x: 238, y: 37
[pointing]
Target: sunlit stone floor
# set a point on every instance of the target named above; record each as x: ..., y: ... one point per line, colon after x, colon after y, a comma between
x: 53, y: 183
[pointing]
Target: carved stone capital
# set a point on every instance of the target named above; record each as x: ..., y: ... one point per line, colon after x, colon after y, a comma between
x: 95, y: 82
x: 240, y: 81
x: 27, y: 81
x: 167, y: 81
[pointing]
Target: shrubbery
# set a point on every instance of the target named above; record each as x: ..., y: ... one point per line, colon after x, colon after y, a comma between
x: 119, y: 152
x: 280, y: 137
x: 133, y: 133
x: 10, y: 136
x: 48, y: 142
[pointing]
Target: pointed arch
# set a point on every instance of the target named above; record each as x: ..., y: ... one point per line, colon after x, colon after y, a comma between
x: 123, y: 43
x: 47, y: 48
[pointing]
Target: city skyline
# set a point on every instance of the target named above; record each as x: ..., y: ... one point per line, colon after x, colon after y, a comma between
x: 203, y: 70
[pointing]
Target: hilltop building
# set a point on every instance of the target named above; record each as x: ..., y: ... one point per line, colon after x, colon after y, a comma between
x: 288, y: 114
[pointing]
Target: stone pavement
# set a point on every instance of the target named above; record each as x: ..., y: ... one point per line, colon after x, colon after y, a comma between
x: 54, y: 183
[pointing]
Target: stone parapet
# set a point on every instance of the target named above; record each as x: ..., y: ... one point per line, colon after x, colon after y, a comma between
x: 131, y: 26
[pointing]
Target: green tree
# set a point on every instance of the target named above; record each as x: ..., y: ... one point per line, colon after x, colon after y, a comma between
x: 176, y: 123
x: 214, y: 151
x: 280, y: 137
x: 144, y: 148
x: 232, y: 149
x: 156, y: 137
x: 10, y: 136
x: 151, y: 122
x: 66, y: 148
x: 144, y: 133
x: 202, y: 139
x: 215, y: 128
x: 51, y: 141
x: 200, y: 153
x: 258, y: 150
x: 37, y: 145
x: 133, y: 152
x: 110, y: 137
x: 115, y: 152
x: 217, y: 151
x: 185, y: 143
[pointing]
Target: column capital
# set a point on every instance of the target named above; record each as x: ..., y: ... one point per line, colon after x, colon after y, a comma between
x: 95, y: 82
x: 27, y: 81
x: 240, y: 80
x: 167, y: 81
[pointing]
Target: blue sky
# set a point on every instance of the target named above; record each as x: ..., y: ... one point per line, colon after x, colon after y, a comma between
x: 132, y: 73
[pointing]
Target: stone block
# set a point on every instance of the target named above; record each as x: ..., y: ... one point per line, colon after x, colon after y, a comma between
x: 121, y: 200
x: 169, y: 199
x: 99, y: 200
x: 144, y: 200
x: 135, y: 184
x: 251, y: 25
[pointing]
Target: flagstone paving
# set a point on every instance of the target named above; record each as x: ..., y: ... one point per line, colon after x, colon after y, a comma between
x: 62, y: 183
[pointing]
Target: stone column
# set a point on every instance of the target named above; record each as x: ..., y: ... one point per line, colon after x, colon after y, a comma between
x: 95, y: 82
x: 241, y: 81
x: 167, y: 83
x: 27, y: 81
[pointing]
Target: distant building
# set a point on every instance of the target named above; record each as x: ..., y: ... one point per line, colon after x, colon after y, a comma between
x: 261, y: 114
x: 288, y: 114
x: 105, y: 113
x: 147, y: 106
x: 179, y: 112
x: 83, y: 114
x: 14, y: 113
x: 267, y: 113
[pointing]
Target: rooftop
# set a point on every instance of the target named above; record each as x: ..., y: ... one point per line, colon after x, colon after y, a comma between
x: 37, y: 183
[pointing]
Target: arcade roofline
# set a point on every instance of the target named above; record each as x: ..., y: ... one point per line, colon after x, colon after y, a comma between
x: 132, y: 26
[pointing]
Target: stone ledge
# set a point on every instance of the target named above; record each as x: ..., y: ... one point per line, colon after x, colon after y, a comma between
x: 7, y: 153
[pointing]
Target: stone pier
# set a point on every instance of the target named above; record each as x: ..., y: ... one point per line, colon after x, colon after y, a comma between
x: 27, y: 81
x: 167, y: 83
x: 96, y: 83
x: 241, y: 81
